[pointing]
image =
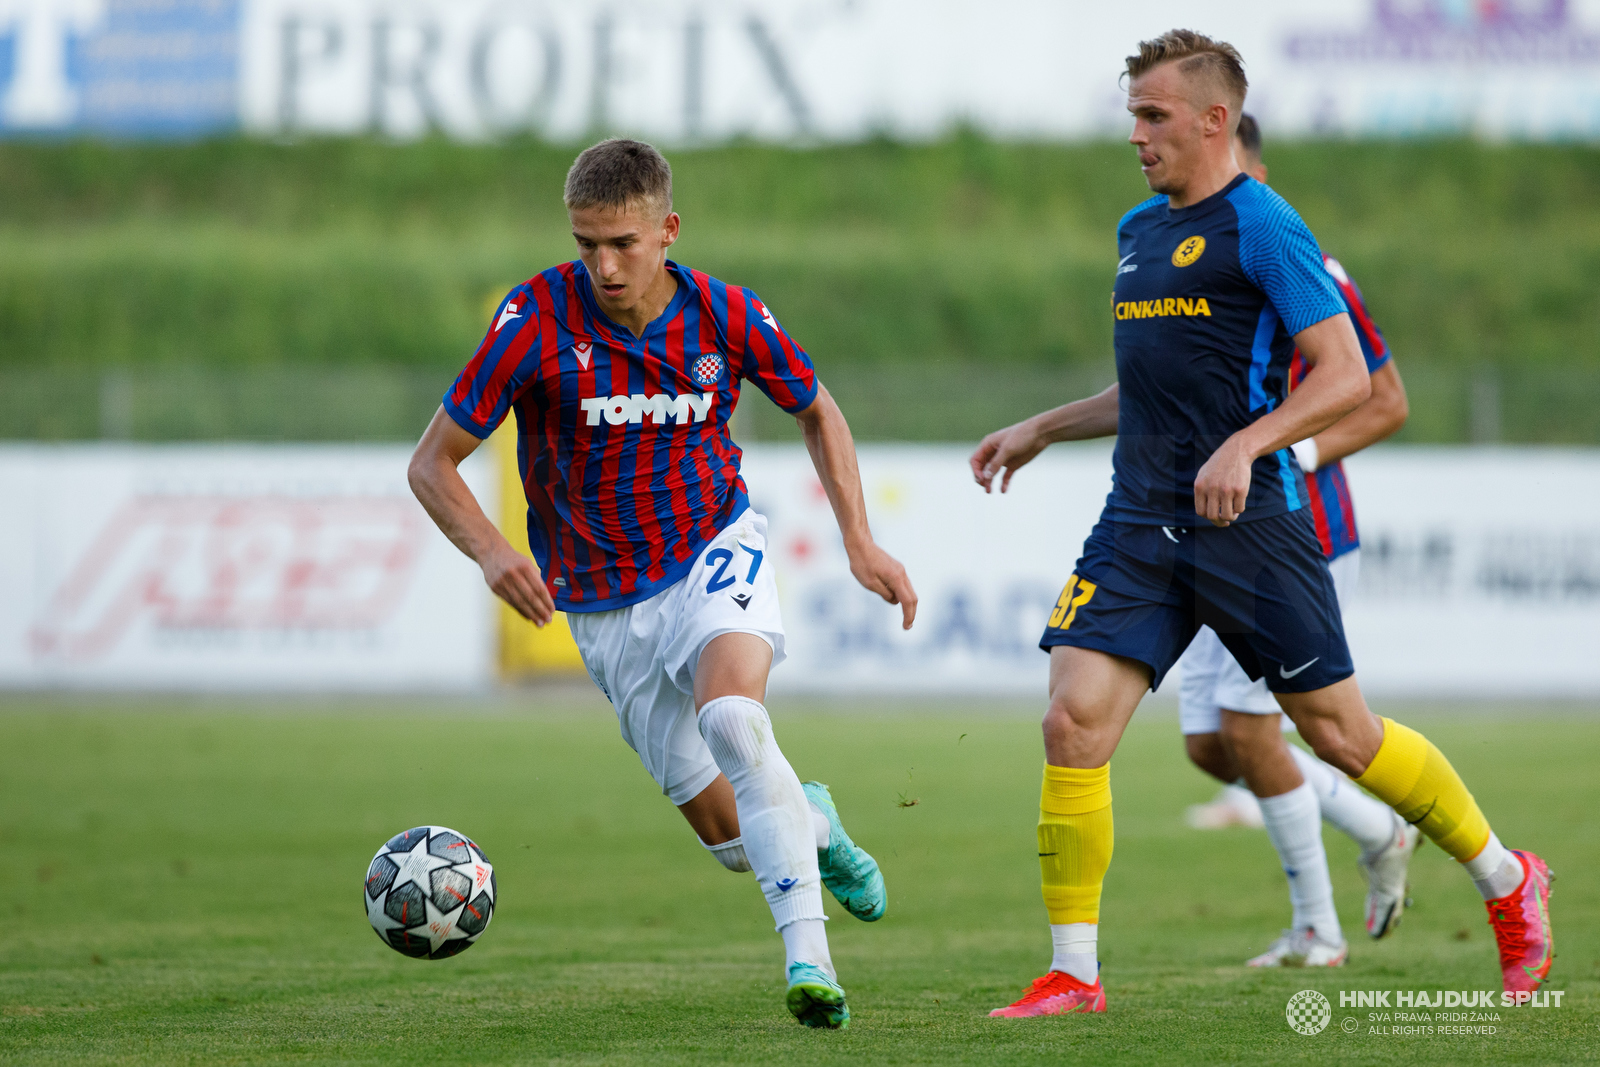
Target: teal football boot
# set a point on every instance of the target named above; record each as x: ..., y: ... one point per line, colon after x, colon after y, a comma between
x: 815, y: 999
x: 850, y: 874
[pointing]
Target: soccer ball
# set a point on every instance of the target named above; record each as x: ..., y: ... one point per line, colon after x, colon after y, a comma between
x: 430, y: 892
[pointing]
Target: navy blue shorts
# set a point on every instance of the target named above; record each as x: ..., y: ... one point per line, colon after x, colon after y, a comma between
x: 1263, y: 586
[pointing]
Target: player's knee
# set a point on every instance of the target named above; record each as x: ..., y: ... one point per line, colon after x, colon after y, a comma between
x: 1206, y: 752
x: 1252, y: 737
x: 1075, y: 731
x: 735, y: 728
x: 1333, y: 746
x: 1062, y: 720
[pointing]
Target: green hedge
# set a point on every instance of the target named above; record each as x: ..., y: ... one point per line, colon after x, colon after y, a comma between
x: 964, y: 254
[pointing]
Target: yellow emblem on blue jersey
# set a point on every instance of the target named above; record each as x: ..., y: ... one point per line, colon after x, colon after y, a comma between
x: 1189, y: 251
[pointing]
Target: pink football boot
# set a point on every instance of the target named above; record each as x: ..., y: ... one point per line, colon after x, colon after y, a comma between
x: 1057, y: 993
x: 1521, y: 922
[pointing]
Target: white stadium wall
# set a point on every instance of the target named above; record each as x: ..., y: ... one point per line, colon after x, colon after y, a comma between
x: 683, y: 71
x: 305, y: 567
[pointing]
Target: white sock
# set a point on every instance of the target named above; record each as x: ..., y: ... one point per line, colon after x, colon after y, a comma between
x: 1076, y: 950
x: 1369, y: 823
x: 1294, y: 826
x: 1243, y: 801
x: 820, y: 826
x: 805, y: 941
x: 774, y: 817
x: 730, y: 854
x: 1495, y: 871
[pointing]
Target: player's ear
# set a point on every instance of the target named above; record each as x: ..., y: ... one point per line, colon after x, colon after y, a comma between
x: 1216, y: 118
x: 669, y: 228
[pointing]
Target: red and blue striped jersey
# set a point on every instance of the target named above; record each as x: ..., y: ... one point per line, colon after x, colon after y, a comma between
x: 622, y: 441
x: 1332, y: 510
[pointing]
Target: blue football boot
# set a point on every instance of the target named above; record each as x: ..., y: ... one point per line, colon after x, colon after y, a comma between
x: 850, y: 874
x: 815, y: 999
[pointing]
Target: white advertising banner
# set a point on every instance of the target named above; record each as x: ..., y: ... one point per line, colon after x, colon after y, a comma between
x: 312, y: 568
x: 233, y: 567
x: 1480, y: 573
x: 684, y: 71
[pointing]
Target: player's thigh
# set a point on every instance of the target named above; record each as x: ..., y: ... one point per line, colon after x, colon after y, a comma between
x: 622, y: 650
x: 1093, y: 694
x: 731, y: 591
x: 1108, y: 645
x: 732, y: 664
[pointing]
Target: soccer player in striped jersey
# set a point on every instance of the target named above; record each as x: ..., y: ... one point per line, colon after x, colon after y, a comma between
x: 1231, y: 725
x: 622, y: 370
x: 1218, y: 282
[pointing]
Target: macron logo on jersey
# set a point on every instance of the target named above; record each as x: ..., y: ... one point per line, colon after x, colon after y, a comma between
x: 766, y: 316
x: 621, y: 409
x: 506, y: 315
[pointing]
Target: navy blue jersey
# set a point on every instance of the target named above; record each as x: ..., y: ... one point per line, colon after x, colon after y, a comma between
x: 1207, y: 302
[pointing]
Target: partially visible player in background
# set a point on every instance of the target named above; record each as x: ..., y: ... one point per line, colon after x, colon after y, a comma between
x: 623, y: 369
x: 1233, y: 728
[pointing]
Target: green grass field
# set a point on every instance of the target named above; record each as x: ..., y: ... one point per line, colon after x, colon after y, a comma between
x: 180, y: 883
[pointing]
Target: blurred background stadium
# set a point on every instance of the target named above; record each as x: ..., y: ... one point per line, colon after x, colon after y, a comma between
x: 273, y: 221
x: 246, y: 244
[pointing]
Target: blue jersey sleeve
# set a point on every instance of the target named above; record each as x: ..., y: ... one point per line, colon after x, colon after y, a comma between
x: 505, y: 364
x: 1281, y: 258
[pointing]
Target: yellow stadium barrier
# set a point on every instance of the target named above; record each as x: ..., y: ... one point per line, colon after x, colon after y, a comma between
x: 525, y: 650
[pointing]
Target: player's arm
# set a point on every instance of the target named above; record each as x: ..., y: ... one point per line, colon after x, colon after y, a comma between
x: 1383, y: 413
x: 438, y: 484
x: 833, y: 454
x: 1015, y: 445
x: 1340, y: 384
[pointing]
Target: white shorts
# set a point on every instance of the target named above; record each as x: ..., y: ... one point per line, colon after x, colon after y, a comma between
x: 643, y: 656
x: 1210, y: 679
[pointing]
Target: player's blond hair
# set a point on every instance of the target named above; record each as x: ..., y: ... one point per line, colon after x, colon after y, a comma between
x: 619, y: 172
x: 1200, y: 58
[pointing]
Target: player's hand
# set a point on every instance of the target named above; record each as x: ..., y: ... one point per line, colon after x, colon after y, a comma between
x: 1005, y: 449
x: 515, y: 579
x: 881, y: 573
x: 1223, y: 484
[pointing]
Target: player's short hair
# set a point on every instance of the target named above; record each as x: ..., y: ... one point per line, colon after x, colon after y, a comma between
x: 1249, y: 134
x: 619, y: 172
x: 1196, y: 54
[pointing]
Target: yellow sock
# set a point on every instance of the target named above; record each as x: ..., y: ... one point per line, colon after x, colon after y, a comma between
x: 1413, y: 777
x: 1074, y: 841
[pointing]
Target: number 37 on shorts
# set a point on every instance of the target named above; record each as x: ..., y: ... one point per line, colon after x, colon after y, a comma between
x: 1074, y: 595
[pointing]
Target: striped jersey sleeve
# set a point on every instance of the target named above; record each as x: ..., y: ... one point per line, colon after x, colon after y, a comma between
x: 767, y: 355
x: 1373, y: 346
x: 505, y: 365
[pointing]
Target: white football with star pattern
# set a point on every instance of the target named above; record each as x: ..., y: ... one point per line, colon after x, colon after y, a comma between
x: 430, y: 892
